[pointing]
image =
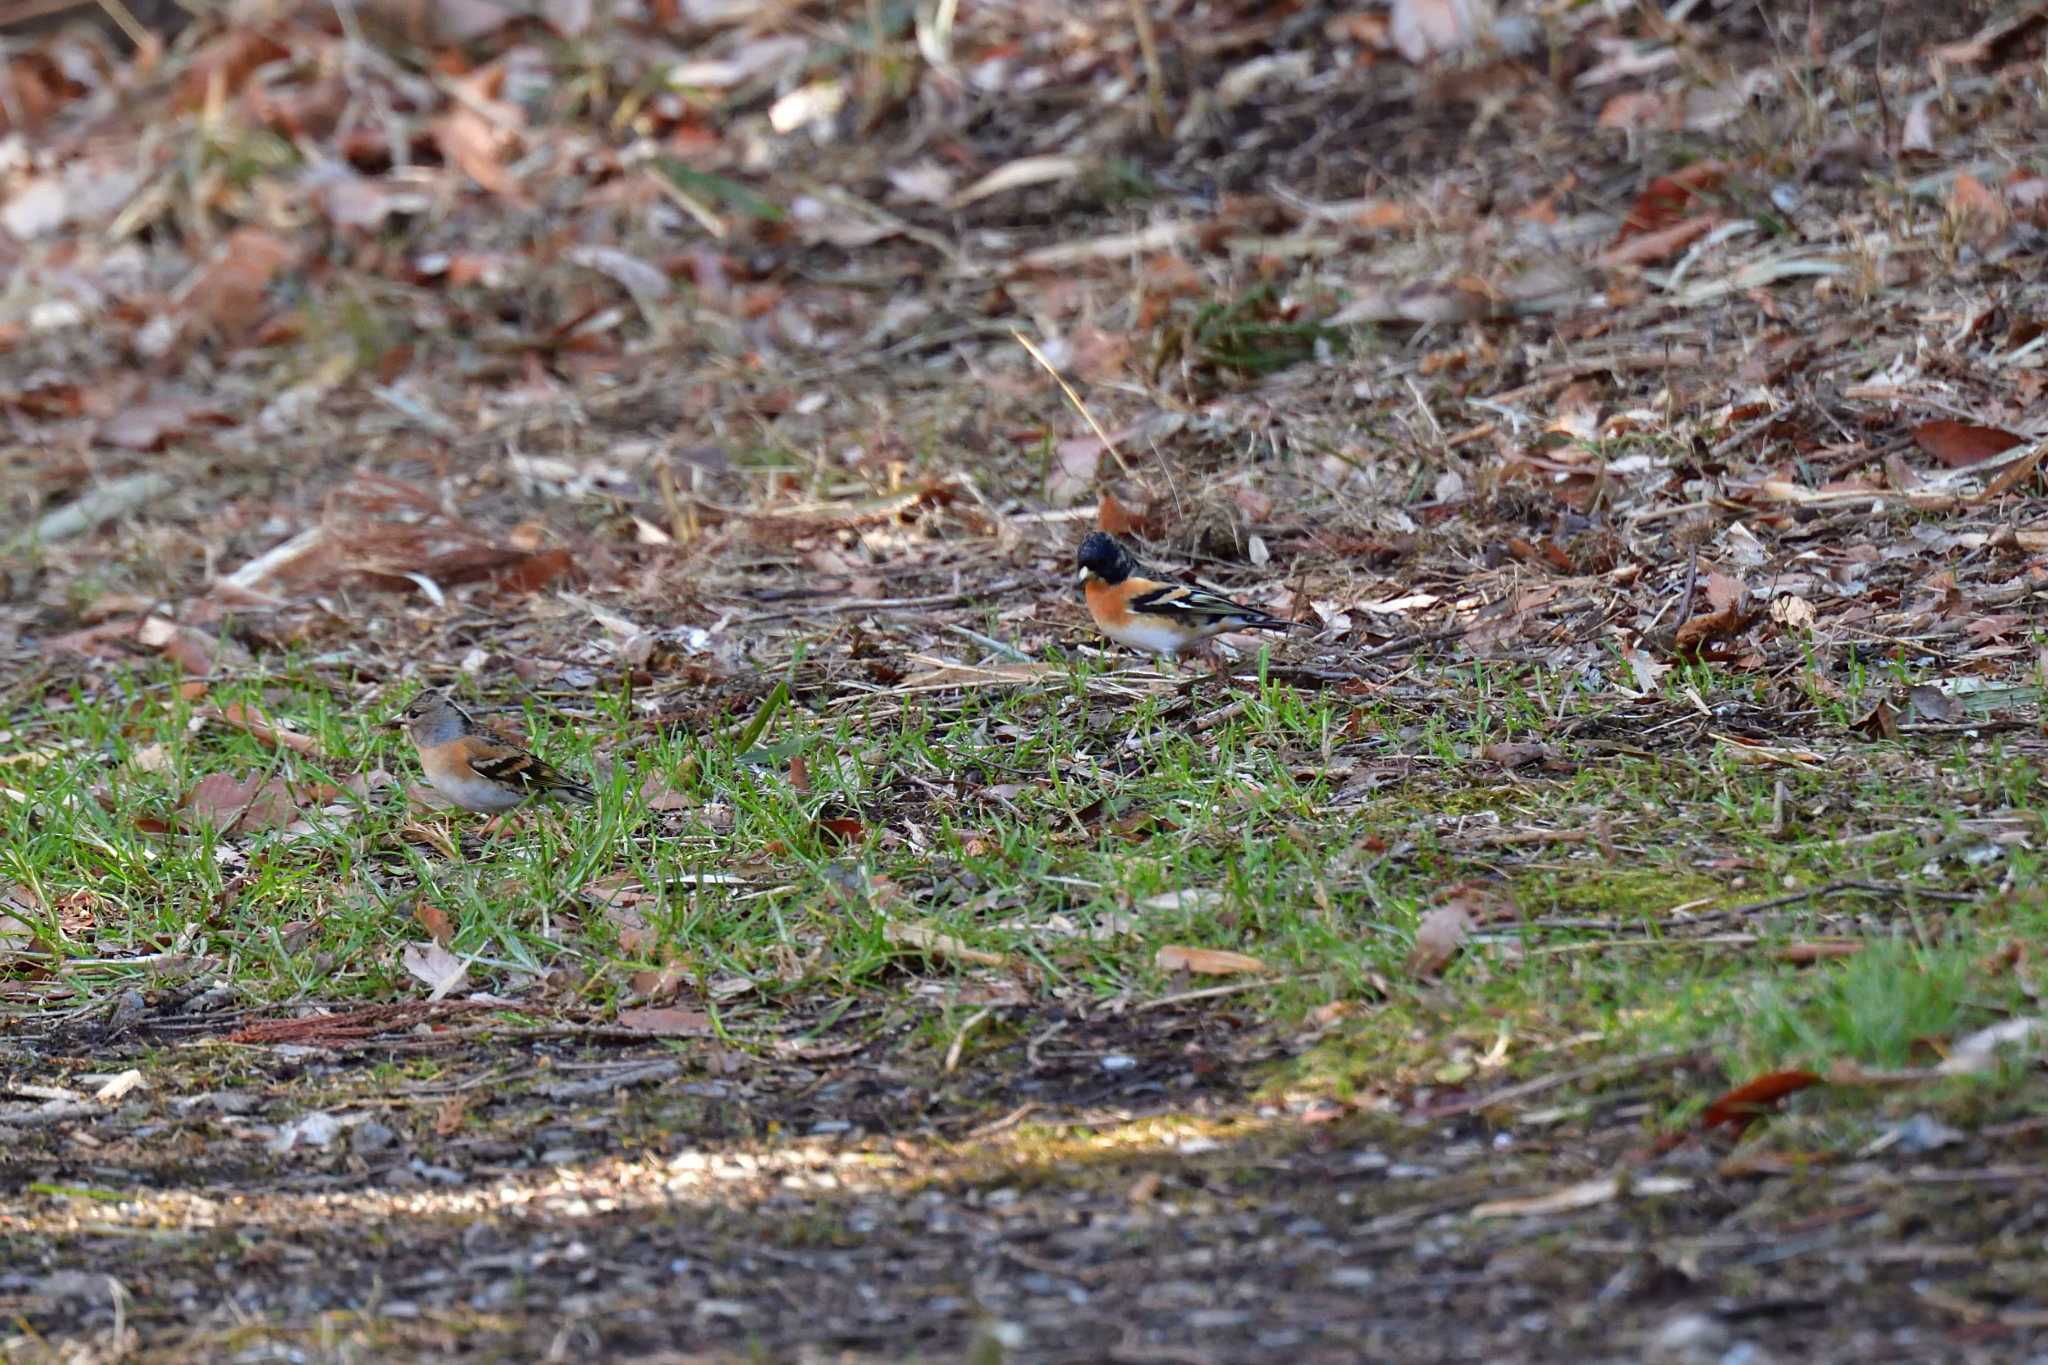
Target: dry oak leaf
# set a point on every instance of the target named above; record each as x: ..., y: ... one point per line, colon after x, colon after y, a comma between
x: 240, y: 805
x: 434, y: 966
x: 1175, y: 957
x: 1961, y: 444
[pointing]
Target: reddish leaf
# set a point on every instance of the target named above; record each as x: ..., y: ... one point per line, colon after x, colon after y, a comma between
x: 1661, y: 244
x: 1113, y: 517
x: 1961, y: 444
x: 434, y: 920
x: 799, y: 774
x: 841, y: 829
x: 1741, y: 1106
x: 534, y: 571
x: 1670, y: 197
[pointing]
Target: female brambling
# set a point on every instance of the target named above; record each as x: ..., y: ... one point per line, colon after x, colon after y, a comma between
x: 1165, y: 618
x: 473, y: 771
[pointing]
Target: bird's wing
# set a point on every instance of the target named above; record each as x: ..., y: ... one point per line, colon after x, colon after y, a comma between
x: 1196, y: 606
x: 511, y: 767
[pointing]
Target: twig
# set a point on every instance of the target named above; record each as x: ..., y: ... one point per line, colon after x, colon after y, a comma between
x: 1075, y: 399
x: 1008, y: 651
x: 1406, y: 643
x: 884, y: 603
x: 1613, y: 1066
x: 1155, y: 75
x: 960, y: 1038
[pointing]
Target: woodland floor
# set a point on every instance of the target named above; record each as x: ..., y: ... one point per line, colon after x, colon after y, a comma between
x: 1611, y: 928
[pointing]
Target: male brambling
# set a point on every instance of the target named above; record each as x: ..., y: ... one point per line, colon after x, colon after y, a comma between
x: 474, y: 771
x: 1144, y: 613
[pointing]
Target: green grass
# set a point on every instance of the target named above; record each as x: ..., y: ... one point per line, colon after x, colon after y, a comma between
x: 1053, y: 825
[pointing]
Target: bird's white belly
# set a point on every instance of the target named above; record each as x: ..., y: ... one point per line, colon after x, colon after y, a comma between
x: 1152, y: 636
x: 477, y: 794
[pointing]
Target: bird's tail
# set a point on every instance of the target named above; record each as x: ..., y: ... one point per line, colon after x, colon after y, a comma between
x: 574, y: 790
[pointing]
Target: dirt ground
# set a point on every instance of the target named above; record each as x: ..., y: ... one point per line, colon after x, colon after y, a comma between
x: 631, y: 1203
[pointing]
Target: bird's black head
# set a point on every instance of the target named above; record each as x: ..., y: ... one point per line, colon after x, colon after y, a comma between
x: 1103, y: 557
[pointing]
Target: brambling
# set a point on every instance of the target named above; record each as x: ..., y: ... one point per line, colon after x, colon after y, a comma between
x: 473, y: 770
x: 1168, y: 619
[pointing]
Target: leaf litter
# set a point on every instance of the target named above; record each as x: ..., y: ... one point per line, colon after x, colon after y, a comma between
x: 1607, y: 366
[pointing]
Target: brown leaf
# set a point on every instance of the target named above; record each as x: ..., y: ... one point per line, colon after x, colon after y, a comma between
x: 1881, y: 723
x: 468, y: 140
x: 533, y: 572
x: 188, y: 648
x: 1961, y: 444
x: 1515, y: 755
x: 667, y: 1021
x: 1722, y: 591
x: 1977, y: 210
x: 1661, y: 244
x: 1438, y: 938
x: 434, y: 920
x: 240, y: 805
x: 1175, y: 957
x: 1709, y: 626
x: 1117, y: 519
x: 228, y: 295
x: 799, y: 774
x: 1670, y: 197
x: 448, y: 1118
x: 1742, y: 1105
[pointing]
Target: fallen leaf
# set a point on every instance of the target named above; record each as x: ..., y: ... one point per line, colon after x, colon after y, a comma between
x: 1663, y: 243
x: 667, y: 1021
x: 1741, y: 1106
x: 1515, y: 755
x: 434, y: 920
x: 228, y: 293
x: 440, y: 970
x: 1421, y: 29
x: 1916, y: 133
x: 1977, y: 1053
x: 1117, y: 519
x: 471, y: 142
x: 1933, y: 704
x: 927, y: 940
x: 1962, y: 444
x: 1175, y: 957
x: 1438, y: 938
x: 1198, y: 900
x: 240, y: 805
x: 1714, y: 625
x: 1029, y: 170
